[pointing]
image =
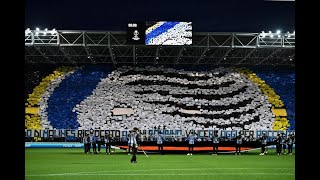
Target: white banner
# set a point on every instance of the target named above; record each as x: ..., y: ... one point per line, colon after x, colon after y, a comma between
x: 201, y: 133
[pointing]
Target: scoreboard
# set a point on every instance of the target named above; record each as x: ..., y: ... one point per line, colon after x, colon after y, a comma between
x: 136, y: 33
x: 160, y: 33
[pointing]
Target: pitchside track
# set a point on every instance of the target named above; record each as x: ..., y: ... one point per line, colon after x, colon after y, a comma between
x: 73, y: 164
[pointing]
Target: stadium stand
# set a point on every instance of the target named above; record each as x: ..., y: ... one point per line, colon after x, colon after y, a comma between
x: 32, y: 118
x: 283, y: 82
x: 70, y: 92
x: 281, y: 122
x: 147, y: 97
x: 33, y: 76
x: 229, y: 101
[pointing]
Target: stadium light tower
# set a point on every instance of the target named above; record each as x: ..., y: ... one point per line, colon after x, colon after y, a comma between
x: 288, y: 34
x: 53, y: 31
x: 27, y: 31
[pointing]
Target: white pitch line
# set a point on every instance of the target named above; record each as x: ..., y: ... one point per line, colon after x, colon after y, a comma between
x: 78, y: 173
x: 184, y: 174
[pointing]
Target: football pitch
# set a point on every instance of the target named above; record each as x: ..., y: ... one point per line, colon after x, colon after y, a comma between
x: 74, y: 164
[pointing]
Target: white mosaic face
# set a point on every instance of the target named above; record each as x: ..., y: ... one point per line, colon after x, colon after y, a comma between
x: 221, y: 98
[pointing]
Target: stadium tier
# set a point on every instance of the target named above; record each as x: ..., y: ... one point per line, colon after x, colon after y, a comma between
x: 98, y: 97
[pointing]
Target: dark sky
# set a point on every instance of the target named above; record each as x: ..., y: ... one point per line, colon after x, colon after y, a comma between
x: 206, y: 15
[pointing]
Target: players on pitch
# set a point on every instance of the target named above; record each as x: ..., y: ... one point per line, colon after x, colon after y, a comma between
x: 281, y: 141
x: 215, y: 141
x: 160, y: 140
x: 94, y: 141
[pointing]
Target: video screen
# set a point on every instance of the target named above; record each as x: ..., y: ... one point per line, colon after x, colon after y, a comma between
x: 168, y: 33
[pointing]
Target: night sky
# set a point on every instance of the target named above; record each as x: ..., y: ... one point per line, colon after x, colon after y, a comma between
x: 206, y: 15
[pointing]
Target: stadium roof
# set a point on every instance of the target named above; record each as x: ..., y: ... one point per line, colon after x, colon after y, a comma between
x: 214, y: 48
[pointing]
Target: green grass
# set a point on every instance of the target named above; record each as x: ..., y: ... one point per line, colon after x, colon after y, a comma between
x: 73, y: 164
